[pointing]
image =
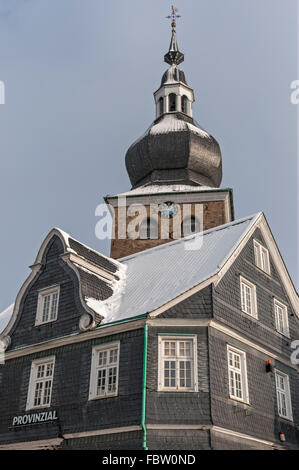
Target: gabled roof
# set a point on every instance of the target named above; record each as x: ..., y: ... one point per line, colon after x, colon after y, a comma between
x: 160, y: 274
x: 148, y: 281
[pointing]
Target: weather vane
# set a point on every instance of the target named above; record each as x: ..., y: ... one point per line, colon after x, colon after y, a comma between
x: 173, y: 16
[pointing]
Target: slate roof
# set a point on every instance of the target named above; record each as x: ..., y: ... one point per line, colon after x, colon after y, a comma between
x: 92, y: 255
x: 160, y: 274
x: 149, y: 279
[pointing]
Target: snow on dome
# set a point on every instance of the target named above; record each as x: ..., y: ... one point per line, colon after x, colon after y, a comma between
x: 198, y: 131
x: 169, y: 123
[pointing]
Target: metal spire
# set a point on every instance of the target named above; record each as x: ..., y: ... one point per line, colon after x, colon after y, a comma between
x: 173, y: 56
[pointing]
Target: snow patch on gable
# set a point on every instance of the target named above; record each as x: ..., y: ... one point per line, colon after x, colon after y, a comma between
x: 5, y: 316
x: 109, y: 308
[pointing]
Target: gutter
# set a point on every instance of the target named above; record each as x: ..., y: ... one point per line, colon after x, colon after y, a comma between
x: 143, y: 412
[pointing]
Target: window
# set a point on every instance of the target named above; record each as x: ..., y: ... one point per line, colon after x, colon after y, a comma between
x: 177, y: 364
x: 172, y: 102
x: 104, y: 371
x: 40, y: 384
x: 190, y: 225
x: 148, y: 229
x: 184, y: 104
x: 261, y: 255
x: 237, y: 374
x: 248, y: 297
x: 160, y: 106
x: 47, y: 305
x: 281, y: 318
x: 283, y: 395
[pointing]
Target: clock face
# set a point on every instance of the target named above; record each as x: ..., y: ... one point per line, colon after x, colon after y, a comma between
x: 168, y: 209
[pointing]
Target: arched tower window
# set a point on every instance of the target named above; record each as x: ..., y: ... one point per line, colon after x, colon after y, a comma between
x: 148, y: 229
x: 160, y: 106
x: 172, y: 102
x: 184, y: 104
x: 190, y: 225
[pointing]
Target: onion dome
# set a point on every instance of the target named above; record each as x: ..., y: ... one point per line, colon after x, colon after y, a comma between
x: 174, y: 149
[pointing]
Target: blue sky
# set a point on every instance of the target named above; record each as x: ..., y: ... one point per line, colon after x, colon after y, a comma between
x: 79, y: 77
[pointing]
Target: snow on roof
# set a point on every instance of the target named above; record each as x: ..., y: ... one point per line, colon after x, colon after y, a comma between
x: 166, y: 188
x: 149, y: 279
x: 5, y: 317
x: 160, y: 274
x: 170, y: 123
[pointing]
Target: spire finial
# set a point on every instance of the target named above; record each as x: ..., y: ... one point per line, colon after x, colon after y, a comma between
x: 173, y: 56
x: 173, y: 16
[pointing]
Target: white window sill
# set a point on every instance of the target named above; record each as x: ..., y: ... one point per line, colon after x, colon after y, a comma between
x: 253, y: 316
x: 33, y: 408
x: 45, y: 322
x: 291, y: 420
x: 177, y: 390
x: 103, y: 397
x: 238, y: 400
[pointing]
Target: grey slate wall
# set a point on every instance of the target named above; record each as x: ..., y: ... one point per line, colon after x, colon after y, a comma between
x: 227, y: 301
x: 198, y: 305
x: 70, y: 391
x: 261, y: 418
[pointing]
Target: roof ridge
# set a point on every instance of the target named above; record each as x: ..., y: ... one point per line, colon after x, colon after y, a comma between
x: 190, y: 237
x: 67, y: 236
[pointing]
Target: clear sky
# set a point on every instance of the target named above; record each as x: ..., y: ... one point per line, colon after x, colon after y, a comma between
x: 79, y: 78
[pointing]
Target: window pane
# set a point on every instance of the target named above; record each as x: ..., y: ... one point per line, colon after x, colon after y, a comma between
x: 113, y: 356
x: 46, y: 307
x: 102, y: 358
x: 185, y: 374
x: 112, y: 379
x: 185, y: 348
x: 38, y: 393
x: 47, y: 392
x: 169, y: 374
x: 49, y: 370
x: 40, y: 371
x: 54, y: 305
x: 101, y: 382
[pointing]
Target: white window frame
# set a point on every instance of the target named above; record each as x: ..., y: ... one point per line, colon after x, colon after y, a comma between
x: 261, y: 256
x: 162, y: 358
x: 42, y: 294
x: 287, y: 395
x: 242, y: 371
x: 93, y: 395
x: 34, y: 380
x: 281, y: 326
x: 253, y: 300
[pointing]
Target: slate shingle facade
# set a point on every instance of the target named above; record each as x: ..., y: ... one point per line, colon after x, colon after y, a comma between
x: 206, y: 419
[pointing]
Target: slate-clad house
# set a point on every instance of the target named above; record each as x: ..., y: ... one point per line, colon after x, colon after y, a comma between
x: 169, y: 343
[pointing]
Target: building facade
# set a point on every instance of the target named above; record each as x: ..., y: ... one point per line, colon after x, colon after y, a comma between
x: 176, y: 341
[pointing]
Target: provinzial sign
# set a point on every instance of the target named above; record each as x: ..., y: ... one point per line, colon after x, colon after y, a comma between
x: 34, y: 418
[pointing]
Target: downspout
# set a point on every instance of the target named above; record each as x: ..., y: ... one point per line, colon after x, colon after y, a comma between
x: 143, y: 426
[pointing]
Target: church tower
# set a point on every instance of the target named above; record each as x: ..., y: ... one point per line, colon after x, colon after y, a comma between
x: 175, y: 170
